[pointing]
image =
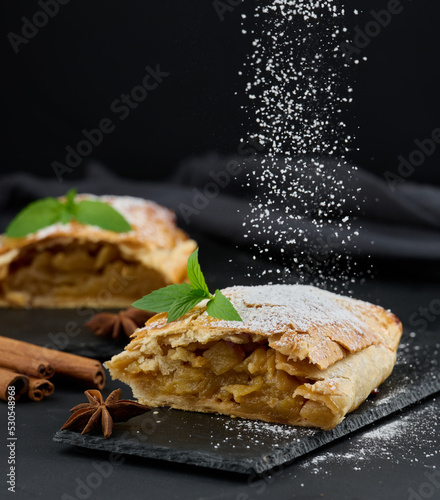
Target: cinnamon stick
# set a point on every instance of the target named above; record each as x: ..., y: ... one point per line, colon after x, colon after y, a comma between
x: 30, y: 366
x: 8, y: 378
x: 85, y: 370
x: 39, y: 388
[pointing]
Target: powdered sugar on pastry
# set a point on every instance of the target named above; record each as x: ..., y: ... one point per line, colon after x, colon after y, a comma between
x: 304, y: 322
x: 304, y: 306
x: 150, y: 221
x: 133, y: 209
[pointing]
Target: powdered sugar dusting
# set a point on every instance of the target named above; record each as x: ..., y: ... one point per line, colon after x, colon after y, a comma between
x: 149, y: 221
x: 274, y: 308
x: 242, y: 430
x: 399, y: 440
x: 133, y: 209
x: 50, y: 230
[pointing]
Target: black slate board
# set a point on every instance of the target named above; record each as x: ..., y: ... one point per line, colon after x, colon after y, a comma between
x: 246, y: 446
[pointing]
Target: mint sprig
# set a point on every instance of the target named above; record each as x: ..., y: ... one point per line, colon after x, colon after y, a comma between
x: 48, y: 211
x: 177, y: 300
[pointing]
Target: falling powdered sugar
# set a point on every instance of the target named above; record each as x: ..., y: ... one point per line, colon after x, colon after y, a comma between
x: 299, y: 93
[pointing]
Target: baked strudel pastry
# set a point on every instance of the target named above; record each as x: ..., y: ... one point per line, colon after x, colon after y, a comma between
x: 301, y: 356
x: 74, y: 264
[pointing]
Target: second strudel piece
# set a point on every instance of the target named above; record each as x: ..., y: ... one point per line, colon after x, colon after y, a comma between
x: 74, y: 264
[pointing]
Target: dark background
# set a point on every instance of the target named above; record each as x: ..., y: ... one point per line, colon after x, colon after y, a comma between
x: 66, y: 77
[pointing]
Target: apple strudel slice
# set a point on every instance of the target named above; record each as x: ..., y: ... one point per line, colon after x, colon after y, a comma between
x: 75, y: 264
x: 301, y: 356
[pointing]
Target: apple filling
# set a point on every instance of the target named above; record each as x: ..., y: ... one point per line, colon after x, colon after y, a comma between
x: 242, y: 380
x: 94, y: 273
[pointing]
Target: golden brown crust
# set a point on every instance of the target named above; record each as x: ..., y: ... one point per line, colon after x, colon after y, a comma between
x: 151, y: 256
x: 319, y: 355
x: 299, y: 321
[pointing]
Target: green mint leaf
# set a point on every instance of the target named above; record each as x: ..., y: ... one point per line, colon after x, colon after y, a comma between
x: 184, y: 304
x: 221, y: 307
x: 70, y: 200
x: 177, y: 300
x: 162, y: 300
x: 194, y: 271
x: 35, y: 216
x: 48, y: 211
x: 65, y: 215
x: 97, y: 213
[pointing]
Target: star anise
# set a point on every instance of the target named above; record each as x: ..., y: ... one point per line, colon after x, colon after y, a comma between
x: 98, y: 413
x: 118, y: 324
